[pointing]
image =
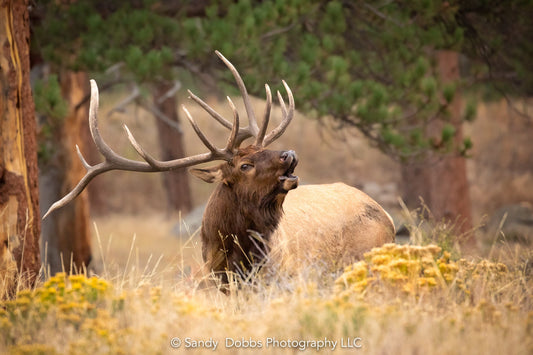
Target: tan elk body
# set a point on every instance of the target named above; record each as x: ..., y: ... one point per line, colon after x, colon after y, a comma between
x: 328, y: 226
x: 243, y: 224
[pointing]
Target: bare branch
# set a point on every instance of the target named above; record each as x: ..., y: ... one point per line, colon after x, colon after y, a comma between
x: 160, y: 115
x: 121, y: 106
x: 171, y: 92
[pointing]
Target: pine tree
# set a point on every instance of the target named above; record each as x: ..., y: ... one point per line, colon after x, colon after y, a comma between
x: 368, y: 65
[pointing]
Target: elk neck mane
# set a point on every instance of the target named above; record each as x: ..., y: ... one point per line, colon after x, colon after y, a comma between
x: 234, y: 211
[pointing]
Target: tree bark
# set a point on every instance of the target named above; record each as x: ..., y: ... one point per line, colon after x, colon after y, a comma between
x: 19, y: 204
x: 441, y: 179
x: 175, y: 182
x: 66, y: 233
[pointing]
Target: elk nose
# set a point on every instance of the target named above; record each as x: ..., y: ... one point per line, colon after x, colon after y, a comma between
x: 288, y: 154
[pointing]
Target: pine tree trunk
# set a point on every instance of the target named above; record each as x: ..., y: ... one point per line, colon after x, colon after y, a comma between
x: 19, y: 205
x: 172, y: 147
x: 66, y: 233
x: 441, y: 180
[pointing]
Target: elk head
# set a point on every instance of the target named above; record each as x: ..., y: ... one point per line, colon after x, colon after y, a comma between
x: 253, y: 180
x: 255, y: 174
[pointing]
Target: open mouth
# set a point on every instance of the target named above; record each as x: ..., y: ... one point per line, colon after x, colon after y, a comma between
x: 289, y: 173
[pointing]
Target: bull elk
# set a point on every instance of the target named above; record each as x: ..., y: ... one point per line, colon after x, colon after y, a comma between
x: 241, y: 220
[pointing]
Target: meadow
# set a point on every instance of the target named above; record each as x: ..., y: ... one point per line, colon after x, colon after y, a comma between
x: 425, y: 297
x: 400, y: 299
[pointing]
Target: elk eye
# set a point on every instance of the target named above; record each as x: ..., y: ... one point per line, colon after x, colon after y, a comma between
x: 246, y: 167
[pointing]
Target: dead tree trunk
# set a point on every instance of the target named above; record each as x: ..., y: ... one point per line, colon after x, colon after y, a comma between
x: 176, y: 182
x: 441, y: 179
x: 19, y: 205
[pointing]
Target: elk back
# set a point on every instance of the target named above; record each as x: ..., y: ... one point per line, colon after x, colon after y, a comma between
x: 328, y: 226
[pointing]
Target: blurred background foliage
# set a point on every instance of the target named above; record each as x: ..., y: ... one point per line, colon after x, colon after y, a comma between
x: 367, y: 64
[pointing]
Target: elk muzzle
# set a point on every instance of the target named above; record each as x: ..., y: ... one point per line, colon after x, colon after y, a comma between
x: 288, y: 180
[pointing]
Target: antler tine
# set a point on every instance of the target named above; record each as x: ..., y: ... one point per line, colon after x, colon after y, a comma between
x: 287, y: 117
x: 252, y: 122
x: 110, y: 156
x: 232, y: 140
x: 147, y: 157
x: 91, y: 173
x: 242, y: 133
x: 266, y: 117
x: 101, y: 145
x: 113, y: 161
x: 158, y: 165
x: 210, y: 110
x: 86, y: 165
x: 200, y: 134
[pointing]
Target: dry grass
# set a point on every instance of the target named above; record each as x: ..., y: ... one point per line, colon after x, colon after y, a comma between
x: 145, y: 246
x: 399, y: 300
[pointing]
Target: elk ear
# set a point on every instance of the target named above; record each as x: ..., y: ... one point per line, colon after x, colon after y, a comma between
x: 210, y: 175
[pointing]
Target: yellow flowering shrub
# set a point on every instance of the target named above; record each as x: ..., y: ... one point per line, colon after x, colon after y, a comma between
x: 407, y: 268
x: 412, y: 270
x: 92, y: 309
x: 68, y: 297
x: 62, y: 300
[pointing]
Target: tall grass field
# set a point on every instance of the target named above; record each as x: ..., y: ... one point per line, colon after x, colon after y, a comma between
x: 425, y: 297
x: 400, y: 299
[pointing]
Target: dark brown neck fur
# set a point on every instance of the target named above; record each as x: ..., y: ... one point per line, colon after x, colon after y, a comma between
x: 231, y: 215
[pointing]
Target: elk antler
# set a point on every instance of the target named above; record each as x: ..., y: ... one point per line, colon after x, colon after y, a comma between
x: 252, y: 130
x: 113, y: 161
